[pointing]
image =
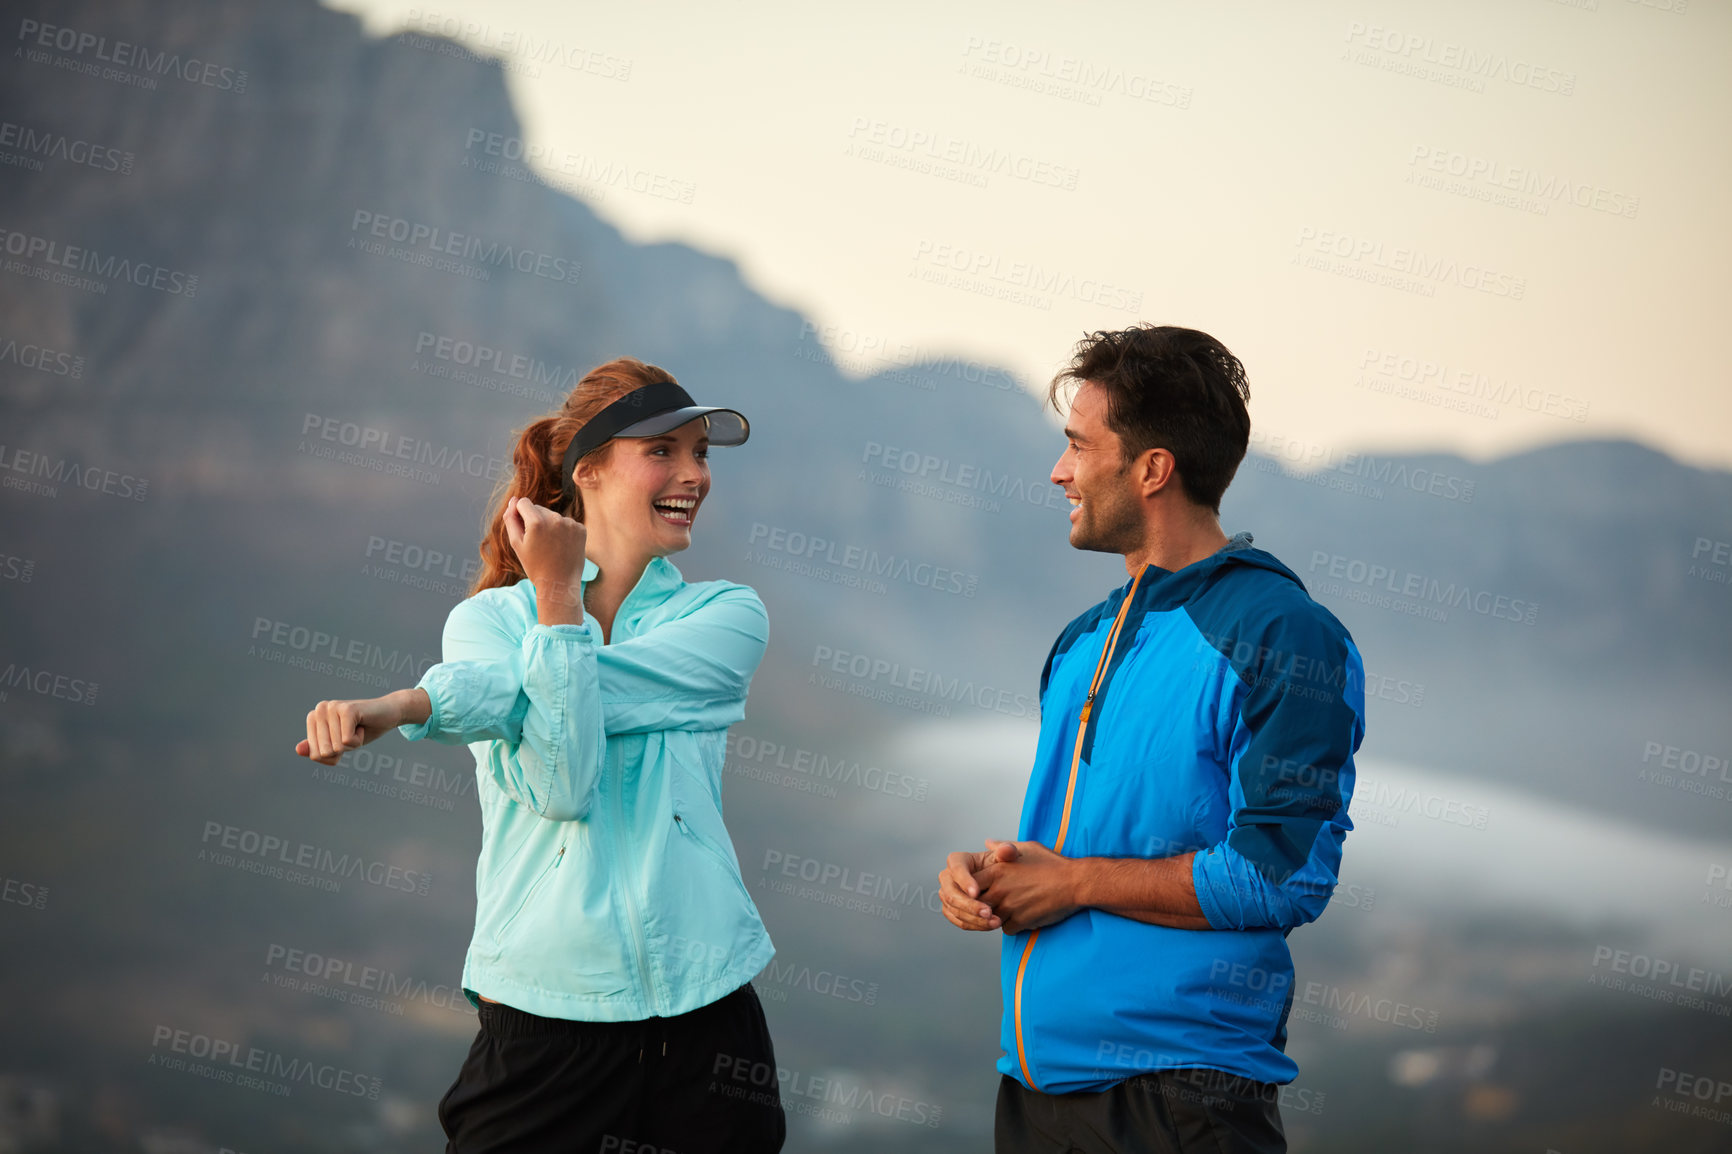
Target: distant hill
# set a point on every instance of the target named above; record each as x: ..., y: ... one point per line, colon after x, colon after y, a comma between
x: 270, y: 197
x: 317, y: 418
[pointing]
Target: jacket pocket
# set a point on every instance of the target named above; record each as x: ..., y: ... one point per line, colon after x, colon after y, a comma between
x: 540, y: 878
x: 724, y: 860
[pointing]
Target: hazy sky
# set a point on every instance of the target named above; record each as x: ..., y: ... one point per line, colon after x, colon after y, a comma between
x: 1479, y: 226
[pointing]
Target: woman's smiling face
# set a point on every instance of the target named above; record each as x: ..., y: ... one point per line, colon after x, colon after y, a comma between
x: 650, y: 488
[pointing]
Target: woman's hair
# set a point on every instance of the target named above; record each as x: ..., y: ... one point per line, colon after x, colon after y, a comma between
x: 540, y: 450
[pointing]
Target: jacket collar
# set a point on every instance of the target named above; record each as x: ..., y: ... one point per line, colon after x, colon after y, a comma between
x: 659, y: 578
x: 1177, y: 585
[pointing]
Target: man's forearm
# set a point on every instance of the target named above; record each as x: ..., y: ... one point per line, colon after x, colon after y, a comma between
x: 1154, y: 890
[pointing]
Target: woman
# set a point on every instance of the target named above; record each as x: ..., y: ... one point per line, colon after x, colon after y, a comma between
x: 614, y: 938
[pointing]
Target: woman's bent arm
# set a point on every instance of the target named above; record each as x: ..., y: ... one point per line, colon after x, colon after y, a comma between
x: 692, y: 673
x: 537, y: 697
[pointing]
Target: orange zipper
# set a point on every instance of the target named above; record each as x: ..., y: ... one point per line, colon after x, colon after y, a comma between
x: 1070, y: 793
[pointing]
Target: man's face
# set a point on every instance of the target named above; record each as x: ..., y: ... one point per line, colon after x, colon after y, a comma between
x: 1108, y: 517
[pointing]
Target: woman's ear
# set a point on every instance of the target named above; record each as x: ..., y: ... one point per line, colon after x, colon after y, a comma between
x: 584, y: 475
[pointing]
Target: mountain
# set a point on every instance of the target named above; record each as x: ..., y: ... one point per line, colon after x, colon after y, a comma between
x: 280, y: 448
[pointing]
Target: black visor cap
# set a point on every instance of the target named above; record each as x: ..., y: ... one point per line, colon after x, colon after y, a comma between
x: 648, y: 412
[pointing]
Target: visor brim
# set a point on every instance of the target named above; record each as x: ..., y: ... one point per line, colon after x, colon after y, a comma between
x: 725, y: 426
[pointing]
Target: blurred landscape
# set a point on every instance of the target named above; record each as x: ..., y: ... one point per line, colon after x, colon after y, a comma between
x: 1538, y: 876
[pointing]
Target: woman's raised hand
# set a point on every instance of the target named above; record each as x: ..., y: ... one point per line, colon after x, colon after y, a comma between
x: 550, y: 547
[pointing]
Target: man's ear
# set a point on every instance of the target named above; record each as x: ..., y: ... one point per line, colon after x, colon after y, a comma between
x: 1156, y: 470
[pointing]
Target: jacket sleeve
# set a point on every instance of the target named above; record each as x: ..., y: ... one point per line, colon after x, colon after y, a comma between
x: 534, y: 701
x: 1300, y: 720
x: 691, y: 673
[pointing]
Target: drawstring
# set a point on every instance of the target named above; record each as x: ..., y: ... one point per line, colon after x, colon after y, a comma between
x: 664, y: 1049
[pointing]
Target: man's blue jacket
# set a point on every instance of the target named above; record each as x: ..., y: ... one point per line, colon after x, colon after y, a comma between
x: 1224, y: 707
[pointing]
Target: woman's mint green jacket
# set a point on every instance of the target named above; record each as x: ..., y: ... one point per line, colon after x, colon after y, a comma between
x: 607, y: 888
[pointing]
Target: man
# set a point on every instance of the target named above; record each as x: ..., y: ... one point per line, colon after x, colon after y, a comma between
x: 1189, y: 793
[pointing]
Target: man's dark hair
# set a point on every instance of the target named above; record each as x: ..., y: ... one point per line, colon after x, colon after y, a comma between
x: 1174, y: 389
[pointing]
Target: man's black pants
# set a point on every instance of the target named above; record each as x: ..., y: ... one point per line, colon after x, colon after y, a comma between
x: 1166, y: 1112
x: 699, y: 1083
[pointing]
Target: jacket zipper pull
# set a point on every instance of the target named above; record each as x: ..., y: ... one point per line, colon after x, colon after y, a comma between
x: 558, y: 856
